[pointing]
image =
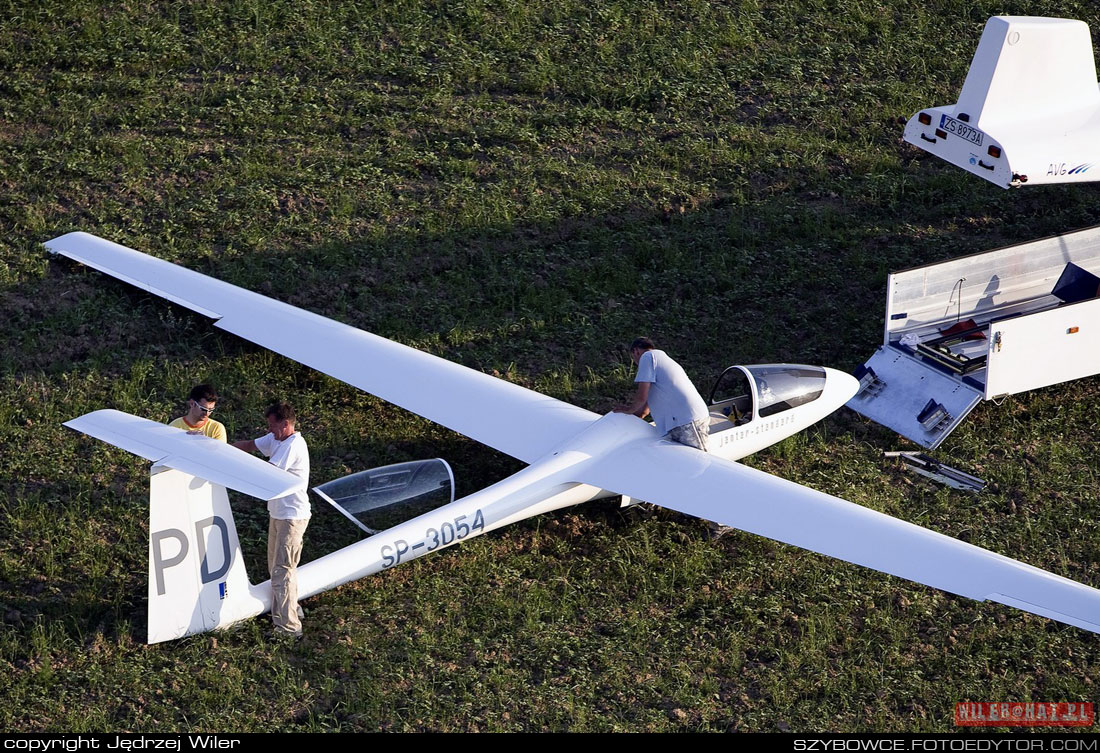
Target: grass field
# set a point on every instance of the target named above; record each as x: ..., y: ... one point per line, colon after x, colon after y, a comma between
x: 522, y: 188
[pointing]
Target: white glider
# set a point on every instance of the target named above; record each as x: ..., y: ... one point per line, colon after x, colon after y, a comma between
x: 197, y: 580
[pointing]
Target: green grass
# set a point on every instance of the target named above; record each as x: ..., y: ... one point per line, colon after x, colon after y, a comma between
x: 520, y: 187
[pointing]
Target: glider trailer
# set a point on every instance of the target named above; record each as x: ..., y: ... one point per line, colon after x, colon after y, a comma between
x: 197, y: 580
x: 982, y: 327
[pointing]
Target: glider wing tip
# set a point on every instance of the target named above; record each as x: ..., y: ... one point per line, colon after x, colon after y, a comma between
x: 1044, y: 611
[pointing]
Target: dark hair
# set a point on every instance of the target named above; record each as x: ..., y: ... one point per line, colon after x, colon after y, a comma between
x: 281, y: 412
x: 204, y: 392
x: 642, y: 343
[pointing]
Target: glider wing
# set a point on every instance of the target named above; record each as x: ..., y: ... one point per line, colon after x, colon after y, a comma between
x: 695, y: 483
x: 515, y: 420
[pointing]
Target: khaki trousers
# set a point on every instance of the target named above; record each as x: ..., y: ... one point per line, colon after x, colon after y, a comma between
x: 694, y: 434
x: 284, y: 549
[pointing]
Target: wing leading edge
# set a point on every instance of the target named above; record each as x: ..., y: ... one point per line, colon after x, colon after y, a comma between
x: 732, y: 494
x: 520, y: 422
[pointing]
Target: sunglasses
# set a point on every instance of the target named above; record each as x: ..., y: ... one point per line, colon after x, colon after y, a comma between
x: 207, y: 411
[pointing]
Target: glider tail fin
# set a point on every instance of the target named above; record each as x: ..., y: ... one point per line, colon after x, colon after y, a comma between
x: 197, y: 577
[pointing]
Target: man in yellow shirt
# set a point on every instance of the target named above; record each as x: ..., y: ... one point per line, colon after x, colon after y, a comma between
x: 200, y: 405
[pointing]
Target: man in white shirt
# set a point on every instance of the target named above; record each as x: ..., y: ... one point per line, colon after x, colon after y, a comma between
x: 285, y: 448
x: 665, y: 390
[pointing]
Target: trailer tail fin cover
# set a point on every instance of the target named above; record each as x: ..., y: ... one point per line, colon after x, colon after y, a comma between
x: 1029, y: 111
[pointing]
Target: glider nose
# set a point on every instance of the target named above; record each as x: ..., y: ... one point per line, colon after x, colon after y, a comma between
x: 839, y: 387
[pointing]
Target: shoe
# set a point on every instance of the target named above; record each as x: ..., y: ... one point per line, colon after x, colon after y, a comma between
x: 283, y: 636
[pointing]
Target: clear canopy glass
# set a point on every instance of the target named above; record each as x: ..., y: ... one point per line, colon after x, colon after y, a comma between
x: 383, y: 497
x: 780, y: 387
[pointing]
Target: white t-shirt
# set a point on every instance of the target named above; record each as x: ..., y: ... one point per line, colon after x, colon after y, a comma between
x: 292, y: 455
x: 673, y: 399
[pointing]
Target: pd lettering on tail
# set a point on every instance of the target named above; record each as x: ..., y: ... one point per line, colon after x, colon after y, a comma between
x: 163, y: 558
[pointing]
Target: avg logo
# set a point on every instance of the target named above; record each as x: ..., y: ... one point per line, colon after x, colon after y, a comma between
x: 1059, y: 168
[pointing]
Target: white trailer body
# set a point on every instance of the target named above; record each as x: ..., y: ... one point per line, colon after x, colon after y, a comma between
x: 981, y: 327
x: 1029, y: 110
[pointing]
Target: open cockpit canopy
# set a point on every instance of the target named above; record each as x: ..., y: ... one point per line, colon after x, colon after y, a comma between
x: 383, y: 497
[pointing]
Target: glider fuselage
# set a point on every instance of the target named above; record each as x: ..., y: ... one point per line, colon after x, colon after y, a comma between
x: 548, y: 484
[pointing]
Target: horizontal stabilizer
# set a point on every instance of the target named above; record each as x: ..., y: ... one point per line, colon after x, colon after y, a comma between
x: 507, y: 417
x: 198, y: 455
x: 695, y: 483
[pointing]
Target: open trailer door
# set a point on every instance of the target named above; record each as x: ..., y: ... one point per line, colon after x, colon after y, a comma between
x: 982, y: 326
x: 913, y: 398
